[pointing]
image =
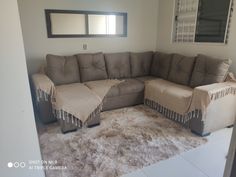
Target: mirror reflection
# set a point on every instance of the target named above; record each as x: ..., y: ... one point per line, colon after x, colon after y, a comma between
x: 105, y: 24
x: 68, y: 23
x: 61, y: 23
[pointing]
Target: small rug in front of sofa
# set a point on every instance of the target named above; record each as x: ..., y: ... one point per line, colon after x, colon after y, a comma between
x: 127, y: 139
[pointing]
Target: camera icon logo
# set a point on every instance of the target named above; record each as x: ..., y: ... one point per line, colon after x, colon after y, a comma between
x: 16, y: 164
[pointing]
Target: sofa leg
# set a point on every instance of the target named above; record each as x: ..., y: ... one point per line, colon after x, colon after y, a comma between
x: 94, y: 125
x: 94, y: 122
x: 68, y: 131
x: 199, y: 134
x: 230, y: 126
x: 67, y: 127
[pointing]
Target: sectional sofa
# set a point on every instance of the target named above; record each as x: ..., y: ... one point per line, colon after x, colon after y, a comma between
x: 175, y: 82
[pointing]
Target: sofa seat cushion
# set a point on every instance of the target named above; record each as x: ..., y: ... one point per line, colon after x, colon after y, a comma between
x: 62, y: 69
x: 209, y: 70
x: 161, y: 65
x: 145, y: 78
x: 92, y: 67
x: 97, y: 86
x: 128, y: 86
x: 170, y: 95
x: 181, y: 69
x: 131, y: 86
x: 140, y: 63
x: 122, y: 101
x: 118, y: 65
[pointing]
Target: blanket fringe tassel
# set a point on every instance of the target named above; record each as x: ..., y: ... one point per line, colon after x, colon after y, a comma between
x: 69, y: 118
x: 180, y: 118
x: 223, y: 92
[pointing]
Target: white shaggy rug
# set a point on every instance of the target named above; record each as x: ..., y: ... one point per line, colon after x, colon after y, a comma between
x: 127, y: 139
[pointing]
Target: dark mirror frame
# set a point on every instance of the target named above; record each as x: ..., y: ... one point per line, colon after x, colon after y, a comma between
x: 48, y: 13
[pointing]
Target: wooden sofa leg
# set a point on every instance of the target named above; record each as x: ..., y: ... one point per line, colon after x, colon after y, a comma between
x: 199, y: 134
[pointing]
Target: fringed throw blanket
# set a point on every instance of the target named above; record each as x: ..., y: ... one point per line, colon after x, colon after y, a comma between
x: 78, y: 104
x: 43, y: 87
x: 203, y: 96
x: 170, y: 114
x: 74, y: 103
x: 195, y: 104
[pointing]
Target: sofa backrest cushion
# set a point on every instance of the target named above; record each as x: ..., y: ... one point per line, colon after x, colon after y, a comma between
x: 161, y: 65
x: 62, y: 69
x: 209, y: 70
x: 92, y: 67
x: 140, y: 63
x: 118, y: 65
x: 181, y: 69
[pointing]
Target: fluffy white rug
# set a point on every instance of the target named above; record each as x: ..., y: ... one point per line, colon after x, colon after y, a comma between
x: 126, y: 140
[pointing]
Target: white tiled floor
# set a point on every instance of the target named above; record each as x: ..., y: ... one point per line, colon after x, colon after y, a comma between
x: 205, y: 161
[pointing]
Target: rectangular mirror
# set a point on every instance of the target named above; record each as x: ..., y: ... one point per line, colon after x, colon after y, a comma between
x: 65, y: 23
x: 106, y: 24
x: 68, y: 24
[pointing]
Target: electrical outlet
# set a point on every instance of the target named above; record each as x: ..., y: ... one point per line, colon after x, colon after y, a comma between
x: 85, y: 46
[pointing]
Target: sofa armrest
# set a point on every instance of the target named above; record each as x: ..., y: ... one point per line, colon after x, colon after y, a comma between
x: 43, y: 91
x: 217, y: 103
x: 204, y: 95
x: 43, y: 87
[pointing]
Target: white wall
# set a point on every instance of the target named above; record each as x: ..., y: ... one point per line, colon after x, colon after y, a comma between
x: 165, y: 22
x: 18, y: 137
x: 142, y: 27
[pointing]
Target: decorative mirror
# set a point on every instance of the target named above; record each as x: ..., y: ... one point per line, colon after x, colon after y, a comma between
x: 67, y: 23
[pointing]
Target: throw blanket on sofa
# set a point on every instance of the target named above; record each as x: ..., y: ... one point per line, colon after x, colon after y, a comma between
x: 78, y: 104
x: 74, y: 103
x: 194, y: 103
x: 43, y: 87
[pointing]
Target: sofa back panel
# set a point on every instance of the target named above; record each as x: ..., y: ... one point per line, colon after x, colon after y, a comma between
x: 161, y: 65
x: 181, y: 69
x: 62, y: 69
x: 92, y: 67
x: 209, y: 70
x: 118, y: 65
x: 140, y: 63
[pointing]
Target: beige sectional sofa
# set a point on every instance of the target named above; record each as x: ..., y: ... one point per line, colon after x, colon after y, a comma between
x: 190, y: 90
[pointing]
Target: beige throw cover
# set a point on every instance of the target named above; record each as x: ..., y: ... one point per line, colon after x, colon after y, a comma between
x: 74, y: 103
x: 43, y: 87
x: 200, y: 98
x: 77, y: 101
x: 204, y: 95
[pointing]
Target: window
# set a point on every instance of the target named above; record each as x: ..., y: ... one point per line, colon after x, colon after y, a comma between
x: 202, y: 20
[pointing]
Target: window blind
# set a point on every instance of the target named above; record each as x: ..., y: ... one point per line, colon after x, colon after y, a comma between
x: 185, y: 20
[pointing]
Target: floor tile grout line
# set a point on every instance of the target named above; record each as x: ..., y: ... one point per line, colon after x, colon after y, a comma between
x: 192, y: 164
